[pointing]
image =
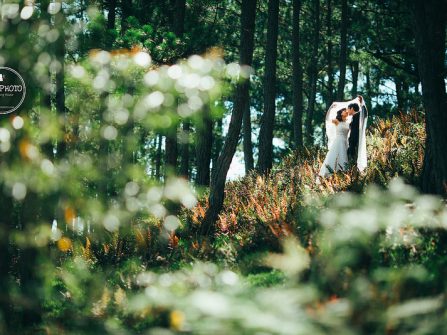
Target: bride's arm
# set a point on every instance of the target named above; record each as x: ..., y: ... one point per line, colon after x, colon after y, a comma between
x: 335, y: 121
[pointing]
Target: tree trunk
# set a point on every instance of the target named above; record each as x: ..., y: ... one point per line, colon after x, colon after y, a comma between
x: 355, y: 78
x: 218, y: 140
x: 45, y: 91
x: 171, y: 152
x: 30, y: 279
x: 343, y: 50
x: 313, y: 72
x: 59, y: 22
x: 111, y: 15
x: 45, y: 86
x: 6, y: 225
x: 330, y: 70
x: 429, y: 26
x: 220, y: 170
x: 268, y: 117
x: 248, y: 146
x: 158, y: 157
x: 126, y: 11
x: 406, y: 92
x: 111, y: 19
x: 204, y: 145
x: 179, y: 17
x: 172, y: 149
x: 297, y: 77
x: 369, y: 92
x: 184, y: 159
x: 399, y: 93
x: 179, y: 26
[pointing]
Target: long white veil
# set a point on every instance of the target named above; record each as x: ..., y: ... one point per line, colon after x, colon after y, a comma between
x: 362, y: 159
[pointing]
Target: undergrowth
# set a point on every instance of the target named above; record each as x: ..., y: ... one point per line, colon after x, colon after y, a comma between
x: 261, y: 210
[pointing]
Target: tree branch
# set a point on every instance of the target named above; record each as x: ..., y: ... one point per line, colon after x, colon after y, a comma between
x: 389, y: 61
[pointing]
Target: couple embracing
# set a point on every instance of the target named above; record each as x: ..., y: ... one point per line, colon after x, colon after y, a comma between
x: 345, y: 129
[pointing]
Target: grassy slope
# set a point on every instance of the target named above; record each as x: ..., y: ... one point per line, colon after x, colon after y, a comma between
x: 260, y: 210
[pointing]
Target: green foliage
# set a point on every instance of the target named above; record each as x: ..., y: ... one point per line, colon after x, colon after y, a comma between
x: 351, y: 282
x: 266, y: 279
x: 96, y: 31
x: 122, y: 259
x: 77, y: 170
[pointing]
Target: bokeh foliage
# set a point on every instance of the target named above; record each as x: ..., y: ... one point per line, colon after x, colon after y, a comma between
x: 90, y: 243
x: 75, y: 174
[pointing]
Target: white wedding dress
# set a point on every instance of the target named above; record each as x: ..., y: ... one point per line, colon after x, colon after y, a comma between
x: 337, y: 156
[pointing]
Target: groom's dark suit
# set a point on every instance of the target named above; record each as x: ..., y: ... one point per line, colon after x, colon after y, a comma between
x: 354, y: 137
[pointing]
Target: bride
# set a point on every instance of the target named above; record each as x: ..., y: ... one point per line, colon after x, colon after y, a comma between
x: 337, y: 156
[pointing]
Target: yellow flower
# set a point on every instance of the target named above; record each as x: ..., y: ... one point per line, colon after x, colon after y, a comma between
x: 64, y: 244
x: 176, y: 319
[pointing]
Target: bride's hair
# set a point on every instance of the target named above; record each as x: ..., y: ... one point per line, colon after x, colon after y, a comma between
x: 339, y: 117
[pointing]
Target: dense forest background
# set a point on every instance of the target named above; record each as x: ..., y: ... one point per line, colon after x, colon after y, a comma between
x: 332, y: 52
x: 116, y: 212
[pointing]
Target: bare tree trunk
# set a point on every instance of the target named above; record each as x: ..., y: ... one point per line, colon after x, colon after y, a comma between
x: 220, y: 170
x: 313, y: 72
x: 343, y: 50
x: 297, y: 77
x: 369, y: 92
x: 179, y: 26
x: 399, y: 93
x: 6, y: 224
x: 406, y: 94
x: 158, y: 157
x: 268, y: 117
x: 171, y: 152
x: 204, y: 145
x: 126, y: 11
x: 111, y: 15
x: 111, y: 19
x: 179, y: 17
x: 355, y: 77
x: 172, y: 147
x: 330, y: 70
x: 218, y: 140
x: 430, y: 31
x: 59, y: 22
x: 30, y: 281
x: 45, y: 91
x: 248, y: 146
x: 45, y: 87
x: 184, y: 159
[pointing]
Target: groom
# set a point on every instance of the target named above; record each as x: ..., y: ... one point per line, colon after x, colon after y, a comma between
x: 354, y: 130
